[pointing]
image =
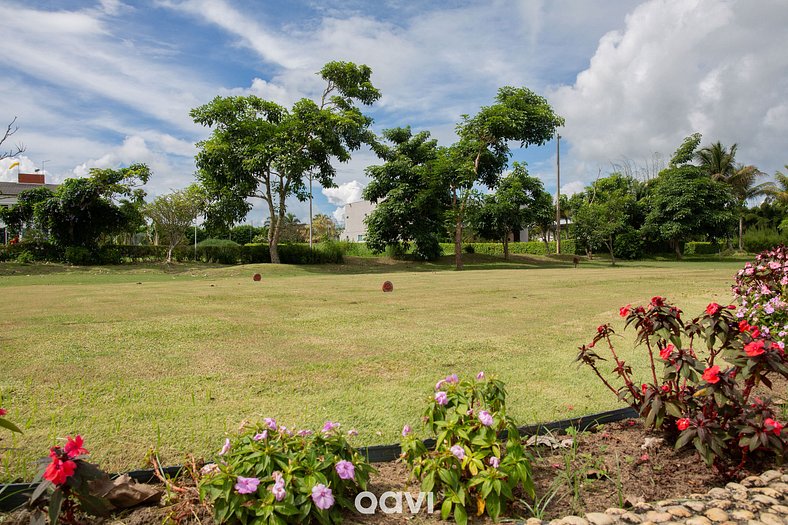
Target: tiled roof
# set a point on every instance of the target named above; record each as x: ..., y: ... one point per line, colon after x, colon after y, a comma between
x: 14, y: 188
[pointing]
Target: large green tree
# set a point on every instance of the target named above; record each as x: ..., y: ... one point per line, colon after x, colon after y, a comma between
x: 172, y: 214
x: 410, y: 192
x: 518, y: 202
x: 21, y: 216
x: 482, y: 152
x: 83, y: 211
x: 259, y: 149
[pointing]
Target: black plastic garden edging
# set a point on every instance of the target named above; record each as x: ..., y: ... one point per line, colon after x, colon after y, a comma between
x: 15, y: 495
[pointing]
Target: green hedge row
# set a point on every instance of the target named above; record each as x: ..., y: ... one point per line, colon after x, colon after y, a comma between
x: 701, y: 248
x: 521, y: 248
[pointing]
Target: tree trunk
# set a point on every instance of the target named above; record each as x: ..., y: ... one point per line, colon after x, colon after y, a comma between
x: 677, y: 249
x: 546, y: 244
x: 610, y: 247
x: 506, y: 247
x: 741, y: 232
x: 169, y: 255
x: 457, y: 232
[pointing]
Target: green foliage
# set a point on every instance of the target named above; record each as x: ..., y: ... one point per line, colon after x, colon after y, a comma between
x: 172, y: 214
x: 471, y: 466
x: 411, y: 192
x: 628, y: 245
x: 220, y: 251
x: 25, y: 257
x: 21, y: 215
x: 79, y: 256
x: 290, y: 464
x: 759, y: 239
x: 701, y: 248
x: 519, y: 248
x: 686, y: 152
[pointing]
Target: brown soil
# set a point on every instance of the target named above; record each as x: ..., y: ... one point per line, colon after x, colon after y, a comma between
x: 606, y: 468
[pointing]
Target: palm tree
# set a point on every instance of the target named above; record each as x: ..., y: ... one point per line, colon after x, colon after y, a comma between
x: 717, y: 161
x: 742, y: 182
x: 780, y: 188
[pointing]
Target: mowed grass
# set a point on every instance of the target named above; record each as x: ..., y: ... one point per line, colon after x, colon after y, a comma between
x: 135, y: 358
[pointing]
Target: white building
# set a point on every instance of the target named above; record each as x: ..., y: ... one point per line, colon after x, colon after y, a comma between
x: 355, y: 213
x: 9, y: 192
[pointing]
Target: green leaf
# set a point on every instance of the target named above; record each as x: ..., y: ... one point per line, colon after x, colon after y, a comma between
x: 55, y: 503
x: 446, y: 508
x: 460, y: 516
x: 10, y: 426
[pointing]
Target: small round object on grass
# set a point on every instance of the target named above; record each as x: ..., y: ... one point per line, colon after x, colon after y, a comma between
x: 388, y: 286
x: 257, y: 277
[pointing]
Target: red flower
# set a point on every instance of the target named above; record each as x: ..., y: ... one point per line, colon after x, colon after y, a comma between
x: 755, y: 348
x: 713, y: 308
x: 74, y: 448
x: 683, y: 424
x: 773, y: 426
x: 731, y: 307
x: 665, y: 352
x: 3, y: 411
x: 600, y: 329
x: 744, y: 326
x: 644, y: 388
x: 665, y: 389
x: 657, y: 301
x: 712, y: 374
x: 755, y: 332
x: 624, y: 310
x: 58, y: 471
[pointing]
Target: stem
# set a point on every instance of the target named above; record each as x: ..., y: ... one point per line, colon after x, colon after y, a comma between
x: 651, y: 358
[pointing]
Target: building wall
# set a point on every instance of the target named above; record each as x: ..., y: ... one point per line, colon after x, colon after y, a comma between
x: 355, y: 212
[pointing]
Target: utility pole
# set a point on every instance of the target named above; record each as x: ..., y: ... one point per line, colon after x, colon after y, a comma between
x: 558, y: 194
x: 310, y: 210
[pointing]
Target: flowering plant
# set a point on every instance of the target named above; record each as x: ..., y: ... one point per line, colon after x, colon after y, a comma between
x: 762, y: 292
x: 7, y: 424
x: 270, y: 474
x: 710, y: 401
x: 469, y: 466
x: 67, y: 479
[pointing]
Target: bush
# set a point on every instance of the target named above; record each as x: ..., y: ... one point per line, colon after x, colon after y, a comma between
x: 469, y: 466
x: 756, y: 240
x: 109, y: 254
x: 355, y: 249
x: 79, y: 256
x: 220, y: 251
x: 273, y: 475
x: 701, y: 248
x: 695, y: 399
x: 468, y: 248
x: 24, y: 257
x: 762, y: 292
x: 39, y: 250
x: 522, y: 248
x: 628, y: 245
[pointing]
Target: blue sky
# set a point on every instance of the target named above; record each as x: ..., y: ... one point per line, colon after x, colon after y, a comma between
x: 108, y: 83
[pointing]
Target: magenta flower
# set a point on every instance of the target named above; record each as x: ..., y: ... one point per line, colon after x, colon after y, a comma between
x: 453, y: 379
x: 329, y: 426
x: 278, y: 488
x: 322, y: 497
x: 304, y: 433
x: 352, y: 432
x: 485, y: 418
x: 271, y: 423
x: 480, y: 376
x: 441, y: 398
x: 345, y: 469
x: 225, y: 448
x: 440, y: 384
x: 406, y: 430
x: 458, y: 452
x: 260, y: 435
x: 246, y: 485
x: 494, y: 462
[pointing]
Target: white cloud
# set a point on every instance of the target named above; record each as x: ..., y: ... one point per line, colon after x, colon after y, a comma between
x: 344, y: 193
x: 26, y: 165
x: 572, y: 188
x: 713, y: 66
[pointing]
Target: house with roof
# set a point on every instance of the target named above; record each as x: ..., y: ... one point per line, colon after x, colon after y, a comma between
x: 9, y: 193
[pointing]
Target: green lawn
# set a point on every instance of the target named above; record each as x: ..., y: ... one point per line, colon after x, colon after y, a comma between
x: 139, y: 357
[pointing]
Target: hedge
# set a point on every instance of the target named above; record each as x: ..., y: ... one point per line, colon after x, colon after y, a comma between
x: 521, y: 248
x: 701, y: 248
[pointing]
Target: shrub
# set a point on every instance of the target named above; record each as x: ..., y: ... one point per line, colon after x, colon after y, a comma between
x: 220, y: 251
x: 109, y: 254
x: 521, y: 248
x: 468, y: 248
x: 24, y: 257
x: 706, y: 401
x: 270, y: 474
x: 79, y: 256
x: 756, y: 240
x: 701, y: 248
x: 762, y: 292
x: 470, y: 466
x: 628, y: 245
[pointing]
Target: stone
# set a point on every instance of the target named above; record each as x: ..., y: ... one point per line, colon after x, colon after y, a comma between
x: 723, y: 504
x: 666, y: 503
x: 718, y: 493
x: 696, y: 496
x: 557, y: 521
x: 782, y: 487
x: 718, y: 515
x: 642, y: 507
x: 658, y: 517
x: 771, y: 475
x: 615, y: 511
x: 679, y: 511
x: 764, y: 500
x: 754, y: 522
x: 771, y: 519
x: 533, y: 521
x: 574, y: 520
x: 698, y: 520
x: 735, y: 487
x: 697, y: 506
x: 600, y: 518
x: 631, y: 517
x: 768, y: 491
x: 740, y: 514
x: 753, y: 481
x: 782, y: 509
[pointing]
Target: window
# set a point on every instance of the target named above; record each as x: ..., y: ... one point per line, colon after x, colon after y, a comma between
x: 360, y: 238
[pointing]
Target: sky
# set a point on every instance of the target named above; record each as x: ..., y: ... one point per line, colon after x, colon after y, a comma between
x: 110, y: 83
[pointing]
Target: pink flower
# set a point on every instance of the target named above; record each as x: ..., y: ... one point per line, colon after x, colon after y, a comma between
x: 322, y: 497
x: 329, y: 426
x: 441, y: 398
x: 246, y: 485
x: 271, y: 422
x: 406, y: 430
x: 458, y: 452
x: 225, y: 448
x: 453, y: 379
x: 278, y: 488
x: 657, y: 301
x: 3, y: 411
x: 260, y: 435
x: 345, y: 469
x: 480, y: 376
x: 494, y: 462
x: 683, y: 424
x: 712, y: 374
x: 352, y: 432
x: 439, y: 384
x: 485, y: 418
x: 210, y: 468
x: 755, y: 348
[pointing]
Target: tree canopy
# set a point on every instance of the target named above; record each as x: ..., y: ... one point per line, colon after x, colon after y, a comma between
x: 172, y: 214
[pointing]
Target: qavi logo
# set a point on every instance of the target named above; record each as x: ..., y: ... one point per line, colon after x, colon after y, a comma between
x: 367, y: 502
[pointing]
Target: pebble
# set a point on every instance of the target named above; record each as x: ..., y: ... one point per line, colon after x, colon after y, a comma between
x: 771, y: 519
x: 718, y: 493
x: 698, y: 520
x: 742, y: 515
x: 753, y: 481
x: 600, y: 518
x: 574, y: 520
x: 764, y: 500
x: 782, y: 509
x: 679, y: 511
x: 716, y: 514
x: 771, y: 475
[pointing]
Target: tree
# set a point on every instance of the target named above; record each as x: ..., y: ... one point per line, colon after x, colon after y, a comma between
x: 519, y: 201
x: 9, y: 131
x: 411, y: 194
x: 292, y: 230
x: 717, y: 161
x: 21, y: 216
x: 482, y: 152
x: 684, y: 203
x: 779, y: 191
x: 686, y: 151
x: 173, y: 213
x: 324, y: 228
x: 259, y: 149
x: 81, y: 211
